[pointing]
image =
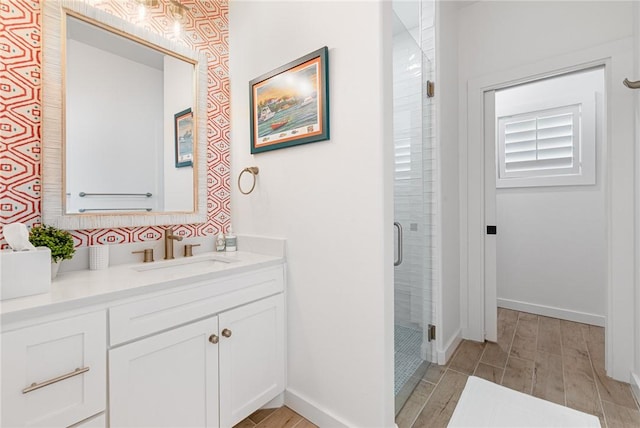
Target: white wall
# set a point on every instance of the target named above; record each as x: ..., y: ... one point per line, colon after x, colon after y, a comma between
x: 126, y: 92
x: 496, y: 35
x: 448, y: 173
x: 502, y: 36
x: 178, y: 96
x: 551, y: 243
x: 331, y: 200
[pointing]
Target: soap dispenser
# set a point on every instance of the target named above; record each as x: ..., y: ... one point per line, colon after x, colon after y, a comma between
x: 230, y: 241
x: 220, y: 242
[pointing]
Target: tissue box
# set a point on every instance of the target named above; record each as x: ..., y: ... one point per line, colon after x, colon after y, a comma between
x: 23, y: 273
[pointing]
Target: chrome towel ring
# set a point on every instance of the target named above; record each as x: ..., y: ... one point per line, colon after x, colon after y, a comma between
x: 253, y: 170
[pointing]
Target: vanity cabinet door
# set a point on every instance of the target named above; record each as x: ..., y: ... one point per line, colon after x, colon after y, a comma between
x: 251, y: 357
x: 54, y: 374
x: 167, y: 380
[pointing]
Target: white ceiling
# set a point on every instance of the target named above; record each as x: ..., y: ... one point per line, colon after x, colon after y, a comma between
x: 408, y: 11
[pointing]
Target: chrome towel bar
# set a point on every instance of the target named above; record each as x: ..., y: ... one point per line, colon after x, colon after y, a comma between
x: 113, y: 209
x: 83, y: 194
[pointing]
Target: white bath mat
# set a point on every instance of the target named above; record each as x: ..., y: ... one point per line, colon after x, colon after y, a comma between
x: 485, y: 404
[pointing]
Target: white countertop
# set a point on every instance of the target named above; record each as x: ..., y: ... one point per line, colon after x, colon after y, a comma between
x: 78, y: 289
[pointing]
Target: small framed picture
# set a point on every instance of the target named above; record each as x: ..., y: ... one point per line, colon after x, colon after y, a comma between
x: 290, y: 105
x: 184, y: 138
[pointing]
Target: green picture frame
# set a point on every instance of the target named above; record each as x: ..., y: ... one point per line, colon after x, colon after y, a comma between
x: 183, y: 122
x: 289, y: 106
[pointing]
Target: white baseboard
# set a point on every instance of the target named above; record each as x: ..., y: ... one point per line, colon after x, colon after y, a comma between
x: 312, y: 411
x: 445, y: 354
x: 275, y: 403
x: 635, y: 386
x: 550, y: 311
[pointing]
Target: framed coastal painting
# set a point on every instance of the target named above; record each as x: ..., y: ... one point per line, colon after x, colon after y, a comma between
x: 290, y: 105
x: 184, y: 138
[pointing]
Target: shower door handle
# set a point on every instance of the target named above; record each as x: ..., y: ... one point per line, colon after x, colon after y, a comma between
x: 398, y: 261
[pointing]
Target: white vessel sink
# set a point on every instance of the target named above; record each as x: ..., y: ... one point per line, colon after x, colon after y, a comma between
x: 201, y: 261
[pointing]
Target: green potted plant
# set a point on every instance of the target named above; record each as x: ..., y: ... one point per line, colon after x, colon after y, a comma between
x: 60, y: 242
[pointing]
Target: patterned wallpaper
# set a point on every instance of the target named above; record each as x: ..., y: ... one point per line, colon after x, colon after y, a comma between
x: 205, y: 29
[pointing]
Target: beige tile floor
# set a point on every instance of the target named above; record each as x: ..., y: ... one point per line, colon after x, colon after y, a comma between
x: 556, y: 360
x: 283, y: 417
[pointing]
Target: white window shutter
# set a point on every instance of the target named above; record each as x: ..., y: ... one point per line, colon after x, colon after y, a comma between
x: 539, y: 144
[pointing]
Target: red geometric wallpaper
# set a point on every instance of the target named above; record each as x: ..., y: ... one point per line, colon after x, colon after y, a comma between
x: 205, y: 29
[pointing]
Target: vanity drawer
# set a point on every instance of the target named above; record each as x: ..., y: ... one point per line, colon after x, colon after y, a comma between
x: 182, y: 305
x: 54, y: 374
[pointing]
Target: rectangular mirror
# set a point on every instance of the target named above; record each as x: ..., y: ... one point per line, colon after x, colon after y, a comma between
x: 124, y: 123
x: 120, y: 138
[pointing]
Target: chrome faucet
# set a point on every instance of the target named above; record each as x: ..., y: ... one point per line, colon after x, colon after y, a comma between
x: 169, y: 237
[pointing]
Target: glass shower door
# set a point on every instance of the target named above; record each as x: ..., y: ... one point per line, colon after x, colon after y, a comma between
x: 412, y: 290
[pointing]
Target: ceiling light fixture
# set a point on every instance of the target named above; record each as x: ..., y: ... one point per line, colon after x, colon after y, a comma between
x: 177, y: 10
x: 143, y: 5
x: 147, y: 3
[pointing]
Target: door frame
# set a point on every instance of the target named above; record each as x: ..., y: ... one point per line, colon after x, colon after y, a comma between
x: 635, y: 375
x: 490, y: 217
x: 617, y: 59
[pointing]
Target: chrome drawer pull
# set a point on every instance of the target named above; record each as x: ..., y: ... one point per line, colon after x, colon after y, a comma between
x: 35, y: 386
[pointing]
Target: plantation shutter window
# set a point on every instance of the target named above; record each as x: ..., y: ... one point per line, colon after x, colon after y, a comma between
x: 540, y: 143
x: 547, y: 147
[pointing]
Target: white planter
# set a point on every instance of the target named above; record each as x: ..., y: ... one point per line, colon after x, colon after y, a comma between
x: 54, y: 269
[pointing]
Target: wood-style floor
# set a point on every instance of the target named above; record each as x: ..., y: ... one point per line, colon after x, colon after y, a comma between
x: 275, y: 418
x: 556, y: 360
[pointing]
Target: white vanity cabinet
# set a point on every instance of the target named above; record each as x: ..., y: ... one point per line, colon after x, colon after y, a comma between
x: 197, y: 350
x: 178, y: 378
x: 54, y: 374
x: 209, y: 372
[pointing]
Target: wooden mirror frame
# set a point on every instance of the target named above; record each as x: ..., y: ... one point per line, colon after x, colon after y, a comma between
x: 53, y: 210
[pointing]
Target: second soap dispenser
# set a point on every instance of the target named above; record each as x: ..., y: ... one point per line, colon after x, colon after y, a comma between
x: 230, y: 241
